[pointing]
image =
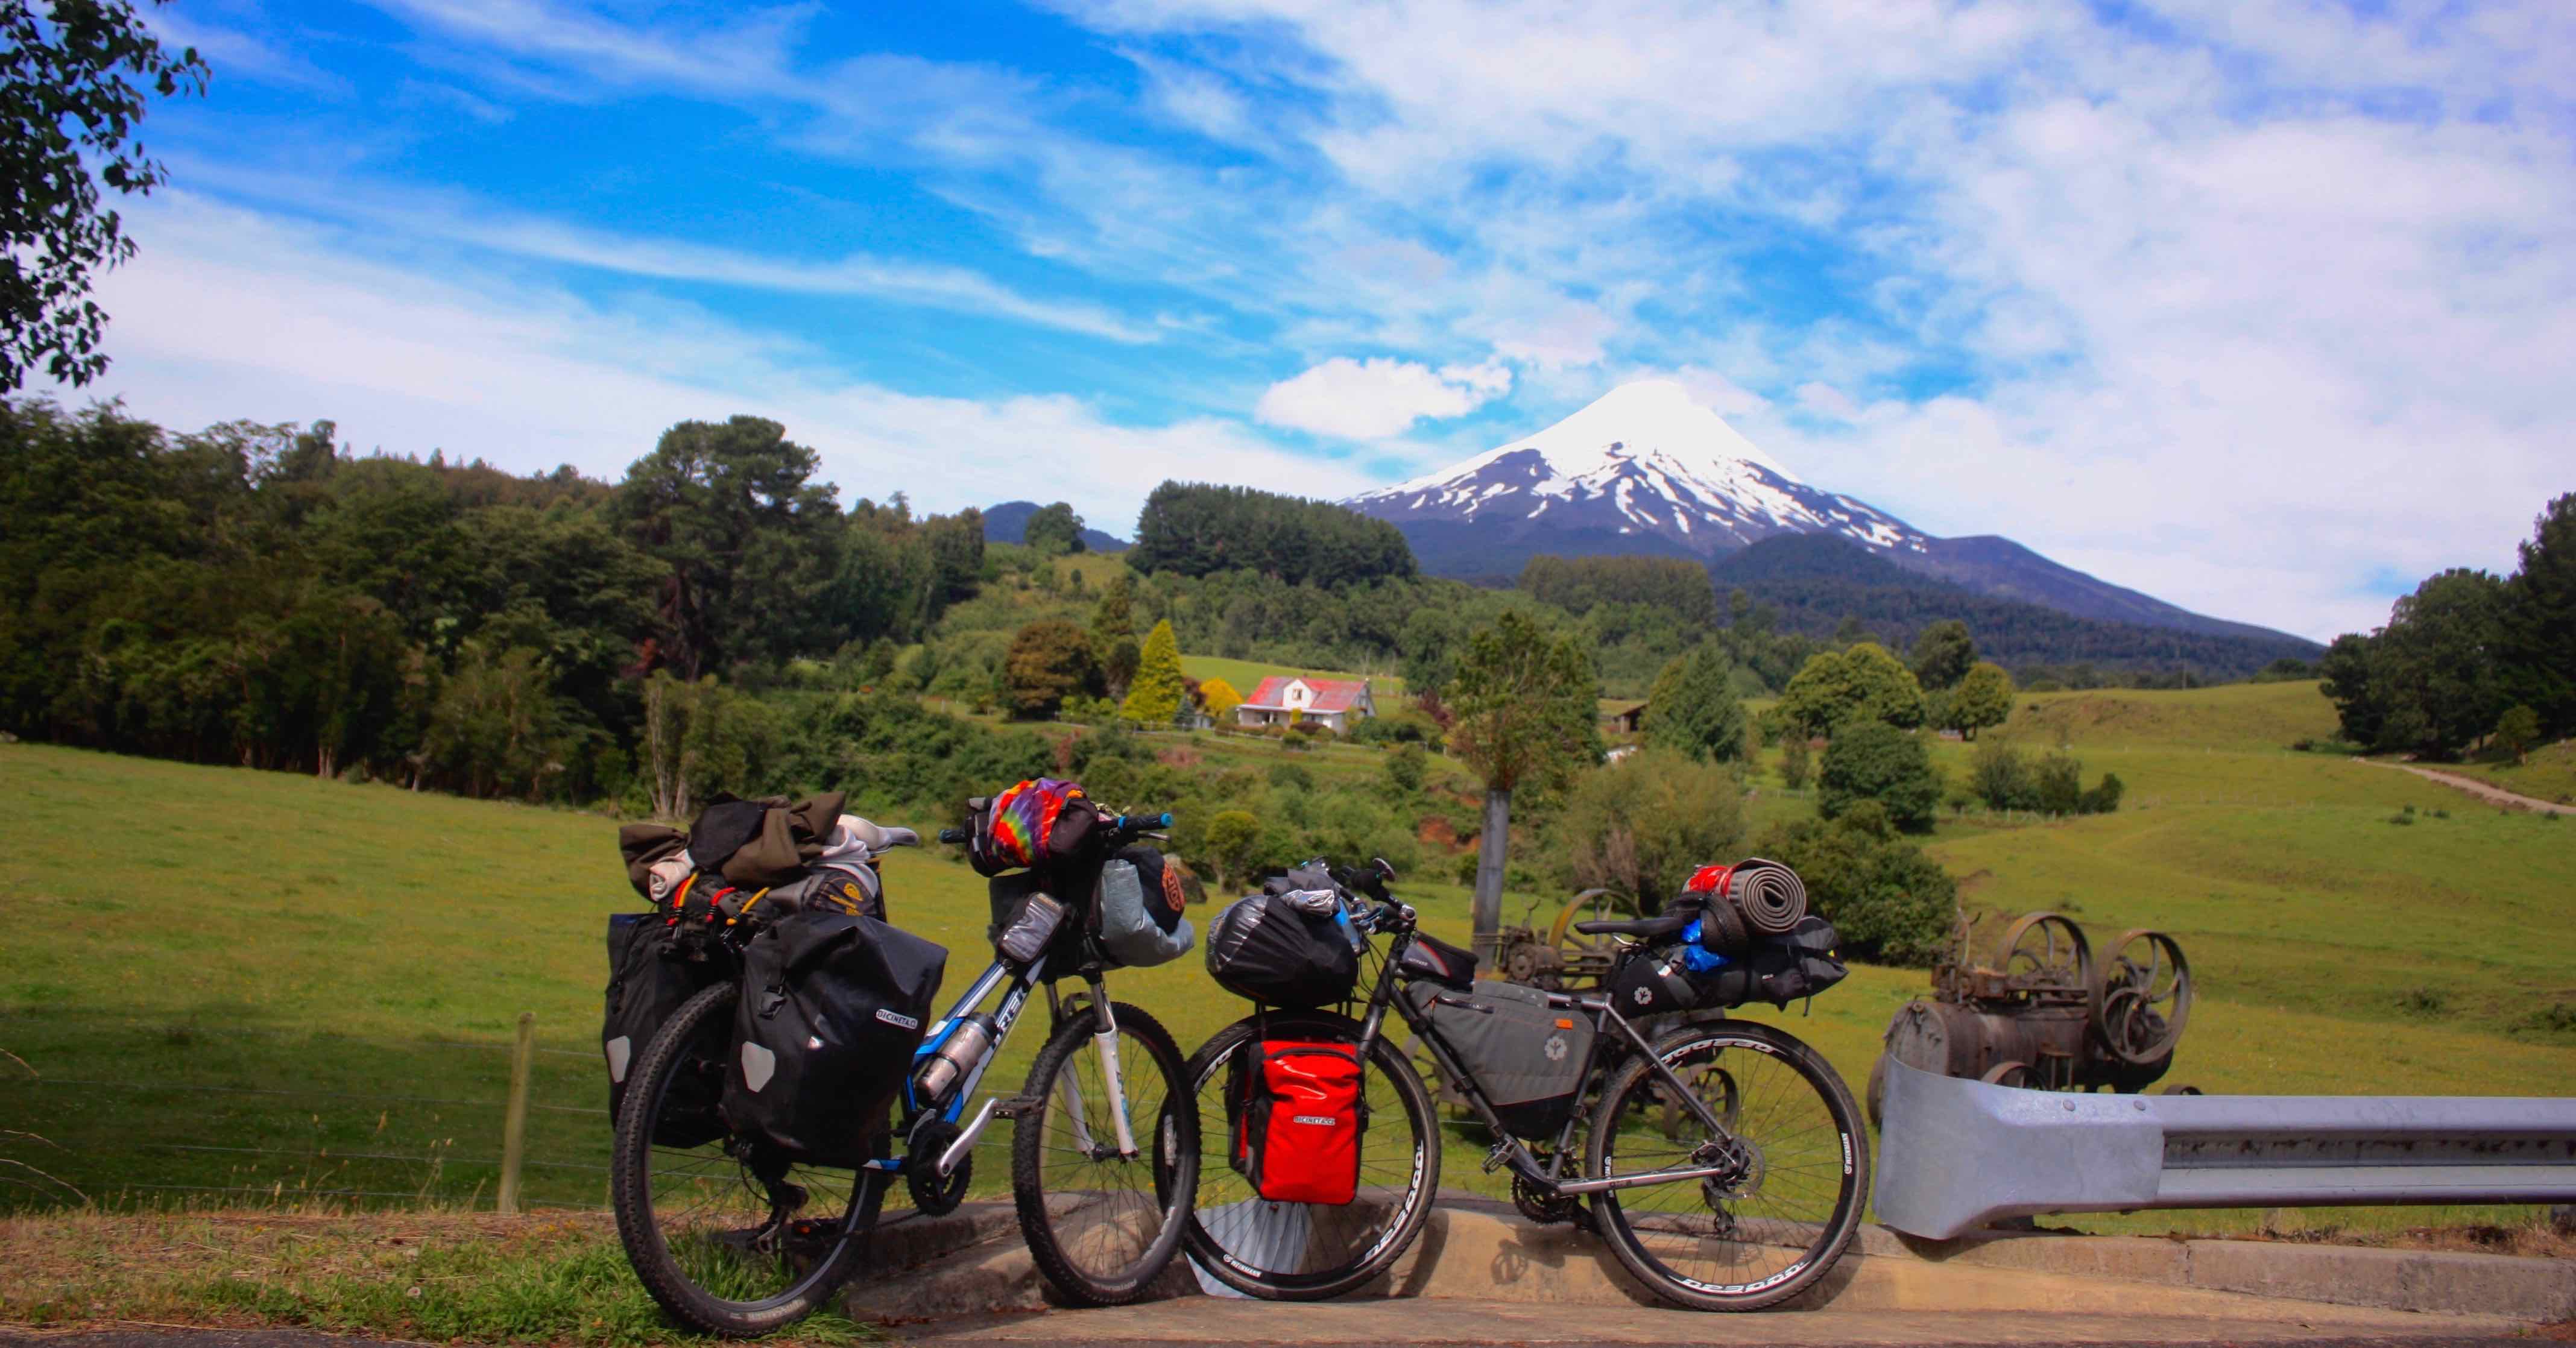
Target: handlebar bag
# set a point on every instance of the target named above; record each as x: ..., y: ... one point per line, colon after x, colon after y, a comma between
x: 832, y: 1007
x: 1029, y: 824
x: 648, y: 979
x: 1298, y: 1120
x: 1130, y: 914
x: 1527, y: 1057
x: 1266, y: 948
x: 1657, y: 981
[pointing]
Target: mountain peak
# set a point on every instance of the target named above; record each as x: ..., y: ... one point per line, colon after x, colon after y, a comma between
x: 1654, y: 422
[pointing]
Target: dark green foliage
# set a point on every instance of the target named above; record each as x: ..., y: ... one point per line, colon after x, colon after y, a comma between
x: 1888, y: 901
x: 2002, y: 778
x: 1524, y: 706
x: 2057, y: 784
x: 1196, y: 529
x: 1640, y: 826
x: 1054, y: 530
x: 1048, y: 662
x: 1811, y: 583
x: 1871, y: 760
x: 73, y: 84
x: 1943, y: 654
x: 2538, y: 650
x: 2104, y: 797
x: 1839, y: 688
x: 1676, y: 589
x: 1795, y: 763
x: 745, y: 537
x: 1694, y: 708
x: 1406, y: 767
x: 2432, y: 681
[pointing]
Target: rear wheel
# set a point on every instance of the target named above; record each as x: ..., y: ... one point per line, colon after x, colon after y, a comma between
x: 1104, y: 1222
x: 729, y: 1241
x: 1793, y: 1163
x: 1309, y: 1251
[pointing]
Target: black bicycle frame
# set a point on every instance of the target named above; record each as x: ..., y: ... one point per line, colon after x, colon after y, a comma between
x: 1512, y: 1151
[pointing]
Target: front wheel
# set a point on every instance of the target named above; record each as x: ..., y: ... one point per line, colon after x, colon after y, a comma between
x: 1103, y: 1215
x: 1282, y: 1251
x: 1793, y: 1163
x: 731, y: 1242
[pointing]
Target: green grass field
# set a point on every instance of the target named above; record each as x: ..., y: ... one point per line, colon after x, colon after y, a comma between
x: 228, y: 983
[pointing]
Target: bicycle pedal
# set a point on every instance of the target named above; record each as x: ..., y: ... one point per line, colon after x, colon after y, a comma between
x: 1019, y: 1105
x: 1494, y: 1159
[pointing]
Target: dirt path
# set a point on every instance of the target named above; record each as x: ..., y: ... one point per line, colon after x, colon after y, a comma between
x: 2493, y: 795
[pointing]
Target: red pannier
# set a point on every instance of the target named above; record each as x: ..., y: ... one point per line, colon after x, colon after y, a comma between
x: 1298, y: 1121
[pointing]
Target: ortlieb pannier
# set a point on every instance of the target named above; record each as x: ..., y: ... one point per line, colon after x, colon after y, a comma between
x: 1527, y: 1057
x: 1298, y: 1117
x: 832, y: 1007
x: 1280, y: 952
x: 1137, y: 915
x: 647, y: 982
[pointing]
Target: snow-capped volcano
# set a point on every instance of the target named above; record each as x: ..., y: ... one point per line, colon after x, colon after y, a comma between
x: 1644, y: 463
x: 1644, y: 469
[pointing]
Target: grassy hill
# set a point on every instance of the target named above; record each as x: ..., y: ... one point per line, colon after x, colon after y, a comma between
x: 232, y: 983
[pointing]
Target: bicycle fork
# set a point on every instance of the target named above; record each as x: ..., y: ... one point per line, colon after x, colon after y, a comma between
x: 1104, y: 1041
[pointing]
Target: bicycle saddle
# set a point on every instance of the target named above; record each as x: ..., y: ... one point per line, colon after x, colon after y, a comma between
x: 877, y: 837
x: 1644, y: 928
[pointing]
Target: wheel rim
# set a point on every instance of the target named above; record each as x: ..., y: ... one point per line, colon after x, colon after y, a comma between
x: 1105, y: 1210
x: 712, y: 1214
x: 1743, y: 1233
x: 1293, y: 1244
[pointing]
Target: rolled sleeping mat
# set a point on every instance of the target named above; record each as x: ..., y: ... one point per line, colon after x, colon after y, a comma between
x: 1770, y: 895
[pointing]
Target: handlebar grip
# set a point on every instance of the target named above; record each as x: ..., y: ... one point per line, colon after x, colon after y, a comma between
x: 952, y: 836
x: 1131, y: 823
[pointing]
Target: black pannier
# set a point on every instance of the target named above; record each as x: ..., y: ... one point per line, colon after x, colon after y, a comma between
x: 832, y: 1007
x: 1526, y: 1056
x: 1271, y: 949
x: 1777, y: 969
x: 648, y: 979
x: 1780, y: 969
x: 1437, y: 960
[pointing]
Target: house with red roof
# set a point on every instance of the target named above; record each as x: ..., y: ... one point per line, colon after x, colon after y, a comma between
x: 1335, y: 704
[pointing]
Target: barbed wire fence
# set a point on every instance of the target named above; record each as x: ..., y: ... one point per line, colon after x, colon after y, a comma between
x: 500, y: 1125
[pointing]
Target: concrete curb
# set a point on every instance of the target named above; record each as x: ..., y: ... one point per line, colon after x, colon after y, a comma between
x: 974, y: 1262
x: 2533, y: 1290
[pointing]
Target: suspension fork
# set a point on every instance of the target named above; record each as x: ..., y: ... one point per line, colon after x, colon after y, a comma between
x: 1104, y: 1040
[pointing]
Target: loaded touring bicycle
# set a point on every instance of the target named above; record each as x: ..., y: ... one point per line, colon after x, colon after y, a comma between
x: 793, y: 1072
x: 1723, y: 1161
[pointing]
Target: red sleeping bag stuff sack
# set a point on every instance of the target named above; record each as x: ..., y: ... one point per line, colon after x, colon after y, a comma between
x: 1297, y: 1134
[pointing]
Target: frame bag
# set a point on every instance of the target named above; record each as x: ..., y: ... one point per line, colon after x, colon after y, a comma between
x: 1298, y: 1120
x: 1526, y: 1057
x: 1272, y: 950
x: 832, y: 1007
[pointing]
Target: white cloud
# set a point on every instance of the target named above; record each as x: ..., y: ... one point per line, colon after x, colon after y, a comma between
x: 1378, y: 397
x: 227, y: 313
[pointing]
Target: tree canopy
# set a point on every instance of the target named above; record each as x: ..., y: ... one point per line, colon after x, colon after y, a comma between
x: 1155, y: 696
x: 1694, y: 708
x: 1943, y: 654
x: 1197, y: 529
x: 1861, y: 685
x: 1053, y: 530
x: 73, y: 85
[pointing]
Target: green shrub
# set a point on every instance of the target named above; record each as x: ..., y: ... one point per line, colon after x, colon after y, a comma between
x: 2058, y: 783
x: 1871, y: 760
x: 2001, y: 777
x: 1889, y: 901
x: 1406, y: 768
x: 1795, y: 763
x: 1640, y: 826
x: 2104, y: 798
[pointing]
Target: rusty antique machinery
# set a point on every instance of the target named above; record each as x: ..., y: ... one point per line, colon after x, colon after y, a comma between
x: 1558, y: 958
x: 2046, y: 1015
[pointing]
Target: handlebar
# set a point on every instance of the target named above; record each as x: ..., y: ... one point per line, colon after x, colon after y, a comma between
x: 954, y: 837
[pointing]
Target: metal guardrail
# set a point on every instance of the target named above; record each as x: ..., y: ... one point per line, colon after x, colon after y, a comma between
x: 1955, y: 1155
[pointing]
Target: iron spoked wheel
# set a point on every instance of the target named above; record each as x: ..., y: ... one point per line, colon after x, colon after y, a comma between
x: 2144, y: 998
x: 1798, y: 1169
x: 1309, y: 1251
x: 1102, y: 1223
x: 729, y: 1242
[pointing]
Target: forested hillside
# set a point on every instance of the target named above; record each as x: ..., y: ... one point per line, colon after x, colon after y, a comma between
x: 1819, y: 584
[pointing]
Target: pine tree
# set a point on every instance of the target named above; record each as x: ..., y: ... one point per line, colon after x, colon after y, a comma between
x: 1154, y: 698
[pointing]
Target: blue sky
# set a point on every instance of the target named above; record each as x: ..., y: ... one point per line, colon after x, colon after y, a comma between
x: 2251, y: 306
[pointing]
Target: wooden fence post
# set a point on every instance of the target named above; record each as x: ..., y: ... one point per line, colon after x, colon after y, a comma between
x: 514, y: 1116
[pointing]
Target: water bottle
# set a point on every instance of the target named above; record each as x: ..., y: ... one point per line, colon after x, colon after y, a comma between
x: 956, y: 1056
